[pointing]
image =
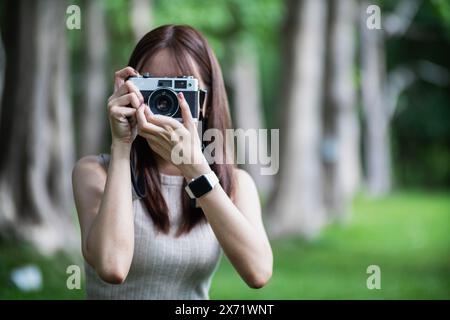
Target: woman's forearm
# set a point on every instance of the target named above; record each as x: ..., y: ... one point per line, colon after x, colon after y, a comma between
x: 110, y: 242
x: 246, y: 246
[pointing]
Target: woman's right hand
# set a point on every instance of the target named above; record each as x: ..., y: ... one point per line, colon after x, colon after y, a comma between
x: 122, y: 107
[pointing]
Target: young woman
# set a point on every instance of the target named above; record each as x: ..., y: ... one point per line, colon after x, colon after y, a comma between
x: 154, y: 244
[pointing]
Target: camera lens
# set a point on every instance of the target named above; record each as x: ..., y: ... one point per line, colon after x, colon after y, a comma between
x: 164, y: 102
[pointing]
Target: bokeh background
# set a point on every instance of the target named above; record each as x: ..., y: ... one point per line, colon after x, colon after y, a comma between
x: 364, y: 131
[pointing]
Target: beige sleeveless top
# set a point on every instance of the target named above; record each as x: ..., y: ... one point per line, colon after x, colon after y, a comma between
x: 163, y: 267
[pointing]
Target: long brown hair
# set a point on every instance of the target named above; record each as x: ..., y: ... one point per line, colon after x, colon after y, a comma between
x: 186, y: 45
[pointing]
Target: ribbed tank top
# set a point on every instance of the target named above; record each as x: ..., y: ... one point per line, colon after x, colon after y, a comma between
x: 163, y: 266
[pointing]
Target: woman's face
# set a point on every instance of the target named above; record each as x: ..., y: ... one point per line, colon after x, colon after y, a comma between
x: 163, y: 65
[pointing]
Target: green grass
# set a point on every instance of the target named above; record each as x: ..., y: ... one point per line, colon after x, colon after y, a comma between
x: 53, y: 273
x: 406, y: 234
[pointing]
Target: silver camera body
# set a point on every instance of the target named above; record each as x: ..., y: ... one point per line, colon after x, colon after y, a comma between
x: 160, y: 94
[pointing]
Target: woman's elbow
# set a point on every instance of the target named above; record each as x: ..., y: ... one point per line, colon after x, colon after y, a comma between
x: 111, y: 267
x: 114, y: 270
x: 113, y: 275
x: 259, y: 279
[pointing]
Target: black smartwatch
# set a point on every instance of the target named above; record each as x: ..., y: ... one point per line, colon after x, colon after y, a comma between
x: 200, y: 186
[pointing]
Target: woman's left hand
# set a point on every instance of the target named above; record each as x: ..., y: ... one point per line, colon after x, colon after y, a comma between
x: 178, y: 143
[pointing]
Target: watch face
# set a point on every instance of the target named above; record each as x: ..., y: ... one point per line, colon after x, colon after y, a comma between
x: 200, y: 186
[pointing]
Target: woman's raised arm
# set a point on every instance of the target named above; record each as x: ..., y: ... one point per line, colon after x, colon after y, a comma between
x: 104, y: 199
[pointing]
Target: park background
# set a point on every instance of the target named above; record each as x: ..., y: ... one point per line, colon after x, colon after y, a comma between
x: 364, y: 128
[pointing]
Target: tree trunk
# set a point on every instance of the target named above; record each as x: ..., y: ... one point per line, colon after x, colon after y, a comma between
x: 93, y: 105
x: 141, y: 17
x: 36, y: 132
x: 247, y: 109
x: 298, y: 203
x: 340, y: 147
x: 376, y: 113
x: 381, y: 91
x: 2, y: 71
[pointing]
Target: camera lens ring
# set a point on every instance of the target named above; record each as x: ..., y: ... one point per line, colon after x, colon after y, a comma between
x: 163, y: 101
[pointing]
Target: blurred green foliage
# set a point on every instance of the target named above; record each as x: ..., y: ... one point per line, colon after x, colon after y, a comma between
x: 420, y: 127
x: 406, y: 234
x: 442, y: 7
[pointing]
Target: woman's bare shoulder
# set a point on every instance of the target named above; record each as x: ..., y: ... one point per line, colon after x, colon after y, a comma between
x: 246, y: 197
x: 89, y: 170
x: 243, y: 179
x: 245, y: 186
x: 90, y: 162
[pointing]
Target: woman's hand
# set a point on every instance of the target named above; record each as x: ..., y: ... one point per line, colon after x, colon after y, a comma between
x: 174, y: 142
x: 122, y: 106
